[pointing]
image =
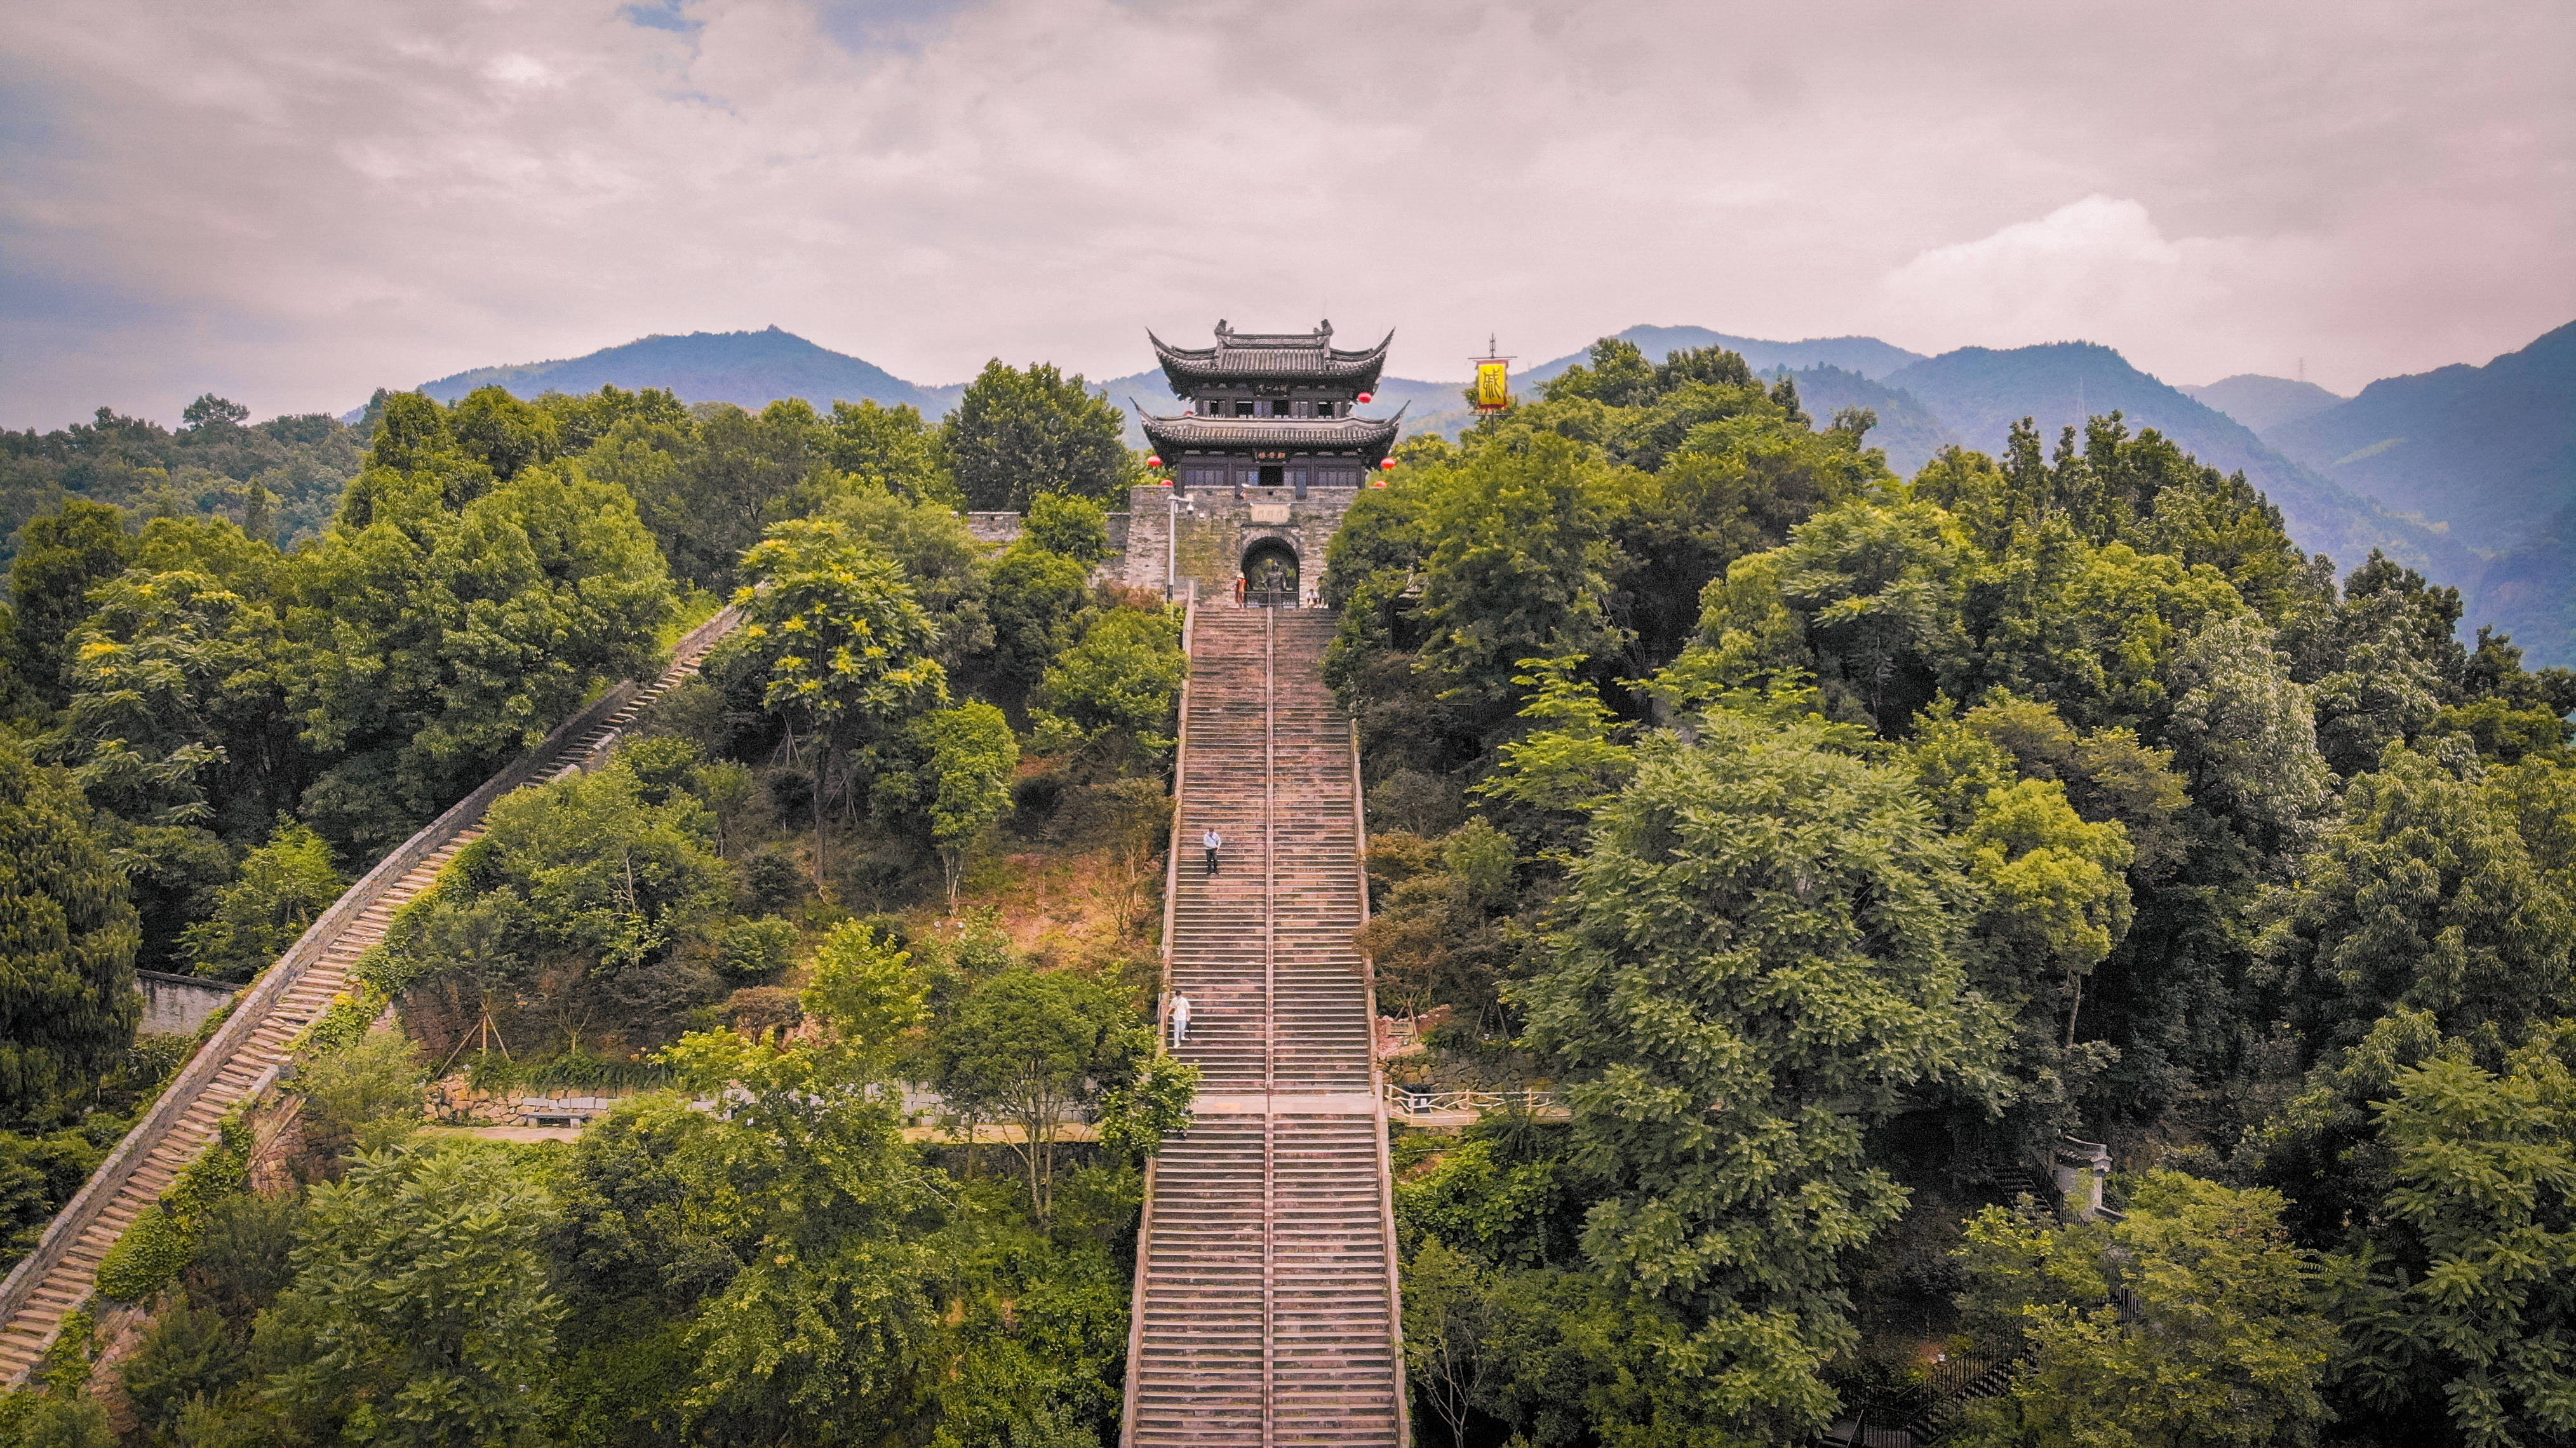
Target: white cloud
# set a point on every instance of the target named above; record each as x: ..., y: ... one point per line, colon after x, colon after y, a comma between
x: 292, y: 201
x: 2100, y: 269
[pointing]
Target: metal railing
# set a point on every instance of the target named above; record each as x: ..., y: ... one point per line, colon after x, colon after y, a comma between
x: 1413, y: 1101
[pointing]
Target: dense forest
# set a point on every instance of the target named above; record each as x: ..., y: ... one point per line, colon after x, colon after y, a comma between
x: 1838, y: 843
x: 214, y: 726
x: 1834, y: 844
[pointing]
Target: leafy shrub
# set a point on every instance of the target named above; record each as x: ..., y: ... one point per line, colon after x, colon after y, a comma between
x: 366, y: 1094
x: 159, y: 1244
x: 244, y: 1247
x: 749, y: 948
x: 185, y: 1355
x: 578, y: 1071
x: 772, y: 880
x: 762, y: 1007
x: 71, y: 1419
x: 1036, y: 796
x: 664, y: 765
x: 65, y: 1365
x: 151, y: 1254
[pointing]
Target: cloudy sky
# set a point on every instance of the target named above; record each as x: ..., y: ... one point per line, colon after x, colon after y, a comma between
x: 292, y: 202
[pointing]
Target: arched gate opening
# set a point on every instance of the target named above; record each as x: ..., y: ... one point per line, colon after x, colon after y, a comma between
x: 1270, y: 575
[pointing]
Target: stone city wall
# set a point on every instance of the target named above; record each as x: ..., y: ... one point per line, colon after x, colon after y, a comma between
x: 1203, y: 535
x: 1004, y: 528
x: 175, y: 1005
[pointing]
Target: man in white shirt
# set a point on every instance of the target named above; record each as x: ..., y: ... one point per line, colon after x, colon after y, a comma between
x: 1212, y: 840
x: 1180, y: 1020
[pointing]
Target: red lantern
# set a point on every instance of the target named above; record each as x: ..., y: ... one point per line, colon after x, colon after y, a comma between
x: 1387, y: 463
x: 1368, y: 397
x: 1153, y: 462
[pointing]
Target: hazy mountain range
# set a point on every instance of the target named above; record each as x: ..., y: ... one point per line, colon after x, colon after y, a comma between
x: 2467, y: 473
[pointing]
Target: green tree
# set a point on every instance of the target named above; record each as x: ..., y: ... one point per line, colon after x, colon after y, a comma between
x: 503, y: 433
x: 434, y: 640
x: 1016, y: 435
x: 1573, y: 757
x: 67, y: 938
x: 363, y: 1096
x: 1448, y: 1304
x: 1519, y: 566
x: 2458, y: 1313
x: 284, y: 886
x: 2384, y: 660
x: 1036, y: 1049
x: 828, y: 1319
x: 707, y: 481
x: 60, y: 557
x: 838, y: 644
x: 591, y: 869
x: 1069, y: 525
x: 2057, y: 894
x: 2422, y: 896
x: 941, y: 561
x: 1109, y: 700
x: 974, y: 756
x: 2185, y: 1325
x: 2245, y: 734
x: 187, y: 1354
x: 1870, y: 598
x: 1036, y: 600
x: 1137, y: 1113
x: 429, y: 1313
x: 1766, y: 955
x: 869, y: 991
x: 890, y: 448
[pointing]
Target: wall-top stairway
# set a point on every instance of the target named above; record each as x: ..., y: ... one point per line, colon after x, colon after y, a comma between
x: 247, y: 1051
x: 1266, y: 1300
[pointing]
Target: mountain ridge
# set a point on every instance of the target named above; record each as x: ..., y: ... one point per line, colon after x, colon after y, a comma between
x: 2486, y: 454
x: 2260, y: 402
x: 1981, y: 392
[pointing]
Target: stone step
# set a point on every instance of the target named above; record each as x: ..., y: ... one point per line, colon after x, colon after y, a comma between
x: 183, y: 1138
x: 1265, y: 1309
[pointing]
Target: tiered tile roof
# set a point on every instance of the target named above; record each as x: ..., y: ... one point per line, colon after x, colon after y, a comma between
x: 1239, y: 358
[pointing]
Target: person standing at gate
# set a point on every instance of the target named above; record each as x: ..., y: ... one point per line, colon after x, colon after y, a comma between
x: 1180, y: 1020
x: 1241, y: 584
x: 1213, y: 841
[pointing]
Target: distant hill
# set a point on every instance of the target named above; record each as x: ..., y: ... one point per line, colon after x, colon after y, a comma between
x: 1868, y: 356
x: 752, y: 369
x: 1907, y: 430
x: 2489, y: 450
x: 1980, y: 393
x: 2487, y: 454
x: 2262, y: 402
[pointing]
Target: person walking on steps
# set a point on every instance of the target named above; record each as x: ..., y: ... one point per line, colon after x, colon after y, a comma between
x: 1180, y: 1020
x: 1213, y: 841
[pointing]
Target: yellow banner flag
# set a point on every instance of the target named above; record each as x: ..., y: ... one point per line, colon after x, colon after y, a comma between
x: 1493, y: 386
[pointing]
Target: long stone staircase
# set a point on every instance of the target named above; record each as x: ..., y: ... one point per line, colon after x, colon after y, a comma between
x: 1266, y: 1308
x: 246, y: 1053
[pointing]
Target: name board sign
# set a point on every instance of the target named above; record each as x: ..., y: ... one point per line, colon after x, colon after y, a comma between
x: 1270, y: 512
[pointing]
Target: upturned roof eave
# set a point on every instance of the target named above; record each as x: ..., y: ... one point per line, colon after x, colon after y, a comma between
x: 1188, y: 367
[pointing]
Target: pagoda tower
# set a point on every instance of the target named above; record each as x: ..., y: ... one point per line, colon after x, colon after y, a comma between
x: 1272, y: 411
